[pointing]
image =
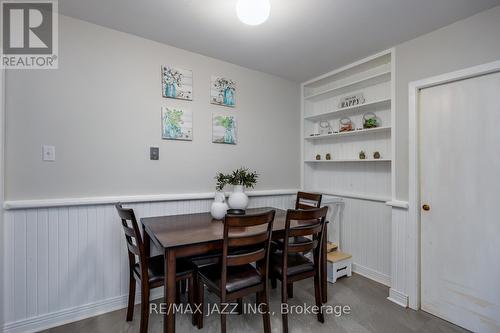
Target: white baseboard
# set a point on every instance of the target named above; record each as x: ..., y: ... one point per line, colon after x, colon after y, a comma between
x: 372, y: 274
x: 398, y: 297
x: 61, y: 317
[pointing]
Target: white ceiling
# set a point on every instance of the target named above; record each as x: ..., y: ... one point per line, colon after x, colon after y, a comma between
x: 302, y: 38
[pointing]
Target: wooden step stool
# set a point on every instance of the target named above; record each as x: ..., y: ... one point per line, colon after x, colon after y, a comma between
x: 330, y: 247
x: 339, y: 263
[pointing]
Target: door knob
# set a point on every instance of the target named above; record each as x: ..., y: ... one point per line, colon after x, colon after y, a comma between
x: 426, y: 207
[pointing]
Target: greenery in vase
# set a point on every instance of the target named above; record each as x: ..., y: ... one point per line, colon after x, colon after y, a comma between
x: 172, y: 123
x: 371, y: 123
x: 172, y: 76
x: 222, y: 180
x: 241, y: 176
x: 222, y: 84
x: 225, y: 121
x: 174, y: 117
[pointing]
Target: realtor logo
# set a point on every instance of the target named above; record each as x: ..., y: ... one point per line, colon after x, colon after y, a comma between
x: 29, y: 34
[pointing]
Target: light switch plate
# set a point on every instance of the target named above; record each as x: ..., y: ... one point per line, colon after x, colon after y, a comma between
x: 48, y: 153
x: 154, y: 153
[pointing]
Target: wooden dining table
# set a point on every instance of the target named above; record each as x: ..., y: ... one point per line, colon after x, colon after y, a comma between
x: 190, y: 235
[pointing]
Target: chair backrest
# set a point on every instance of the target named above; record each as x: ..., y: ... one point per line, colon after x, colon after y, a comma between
x: 133, y: 237
x: 247, y: 239
x: 311, y: 222
x: 308, y: 200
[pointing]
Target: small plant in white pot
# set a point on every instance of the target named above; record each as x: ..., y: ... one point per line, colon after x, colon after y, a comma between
x: 241, y: 178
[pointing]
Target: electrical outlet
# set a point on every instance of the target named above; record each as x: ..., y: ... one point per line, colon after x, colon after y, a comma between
x: 154, y: 153
x: 48, y: 153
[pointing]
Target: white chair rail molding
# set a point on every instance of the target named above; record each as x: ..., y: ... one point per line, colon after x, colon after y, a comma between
x: 249, y: 165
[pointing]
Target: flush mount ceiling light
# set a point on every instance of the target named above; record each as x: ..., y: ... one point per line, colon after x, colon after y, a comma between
x: 253, y: 12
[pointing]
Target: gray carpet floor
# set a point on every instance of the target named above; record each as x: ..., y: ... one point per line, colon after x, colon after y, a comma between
x: 370, y: 311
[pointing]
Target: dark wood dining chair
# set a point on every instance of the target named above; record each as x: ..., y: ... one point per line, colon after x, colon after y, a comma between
x: 247, y: 240
x: 290, y: 264
x: 305, y: 201
x: 148, y: 270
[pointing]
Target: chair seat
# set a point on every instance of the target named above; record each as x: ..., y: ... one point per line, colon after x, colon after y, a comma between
x: 238, y: 277
x: 156, y: 269
x: 297, y: 264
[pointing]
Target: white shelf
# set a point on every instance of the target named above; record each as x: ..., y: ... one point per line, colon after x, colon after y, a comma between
x: 350, y: 133
x: 352, y: 86
x: 346, y: 176
x: 357, y: 108
x: 369, y: 197
x: 349, y: 160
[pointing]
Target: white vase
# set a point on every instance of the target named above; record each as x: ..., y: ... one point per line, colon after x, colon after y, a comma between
x: 219, y: 206
x: 238, y: 199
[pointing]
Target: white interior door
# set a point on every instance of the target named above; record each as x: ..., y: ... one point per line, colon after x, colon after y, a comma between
x: 460, y: 181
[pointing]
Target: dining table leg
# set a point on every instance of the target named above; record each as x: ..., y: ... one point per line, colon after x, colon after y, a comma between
x: 324, y: 281
x: 169, y: 291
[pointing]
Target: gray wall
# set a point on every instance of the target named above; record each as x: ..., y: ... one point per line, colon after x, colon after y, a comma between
x: 102, y: 111
x: 470, y: 42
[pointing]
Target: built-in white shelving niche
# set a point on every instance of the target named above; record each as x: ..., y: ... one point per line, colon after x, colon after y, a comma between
x: 345, y: 174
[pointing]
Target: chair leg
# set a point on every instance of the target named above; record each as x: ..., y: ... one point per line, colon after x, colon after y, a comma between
x: 200, y: 295
x: 264, y: 298
x: 318, y: 296
x: 290, y: 290
x: 191, y: 297
x: 222, y: 321
x: 284, y: 300
x: 144, y: 309
x: 240, y: 305
x: 131, y: 297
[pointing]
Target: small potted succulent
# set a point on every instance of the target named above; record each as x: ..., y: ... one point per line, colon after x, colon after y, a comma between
x: 370, y: 120
x: 362, y: 155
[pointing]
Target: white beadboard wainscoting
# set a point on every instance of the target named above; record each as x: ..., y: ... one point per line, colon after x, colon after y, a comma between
x: 399, y: 256
x: 66, y: 260
x: 68, y: 263
x: 365, y: 232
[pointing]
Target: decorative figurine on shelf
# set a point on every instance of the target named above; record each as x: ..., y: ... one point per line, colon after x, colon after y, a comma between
x: 346, y: 125
x: 376, y: 155
x: 362, y: 155
x: 325, y: 128
x: 370, y: 120
x: 318, y: 157
x: 328, y: 156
